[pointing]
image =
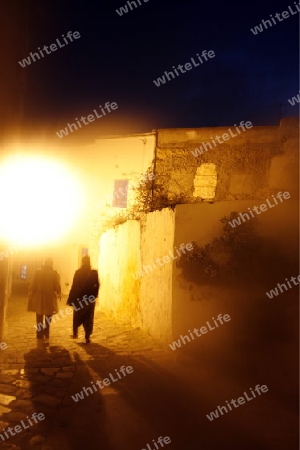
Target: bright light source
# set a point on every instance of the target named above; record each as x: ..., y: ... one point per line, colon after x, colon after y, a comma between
x: 39, y: 200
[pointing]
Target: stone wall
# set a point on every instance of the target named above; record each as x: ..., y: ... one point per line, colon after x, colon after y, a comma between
x: 235, y: 267
x: 169, y: 300
x: 145, y: 301
x: 243, y: 163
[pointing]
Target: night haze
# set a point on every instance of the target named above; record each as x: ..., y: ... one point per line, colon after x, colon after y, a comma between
x: 117, y: 58
x: 149, y: 225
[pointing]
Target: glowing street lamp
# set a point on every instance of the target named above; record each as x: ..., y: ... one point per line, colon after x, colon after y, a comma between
x: 40, y: 200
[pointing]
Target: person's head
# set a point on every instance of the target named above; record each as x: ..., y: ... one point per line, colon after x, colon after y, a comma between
x: 48, y: 262
x: 86, y: 262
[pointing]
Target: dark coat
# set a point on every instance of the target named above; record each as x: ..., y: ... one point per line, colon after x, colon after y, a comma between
x: 44, y: 292
x: 85, y: 282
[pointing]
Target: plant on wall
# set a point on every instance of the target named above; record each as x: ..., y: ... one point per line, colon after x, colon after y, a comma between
x: 229, y: 256
x: 151, y: 196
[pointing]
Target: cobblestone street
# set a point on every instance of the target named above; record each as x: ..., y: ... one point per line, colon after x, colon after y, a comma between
x: 41, y: 377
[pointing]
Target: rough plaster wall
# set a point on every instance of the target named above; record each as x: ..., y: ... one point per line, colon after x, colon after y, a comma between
x: 254, y: 317
x: 146, y: 301
x: 278, y: 225
x: 100, y: 163
x: 243, y: 163
x: 283, y: 167
x: 195, y: 303
x: 119, y: 258
x: 157, y: 240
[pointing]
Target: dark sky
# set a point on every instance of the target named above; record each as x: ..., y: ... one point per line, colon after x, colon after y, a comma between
x: 117, y: 58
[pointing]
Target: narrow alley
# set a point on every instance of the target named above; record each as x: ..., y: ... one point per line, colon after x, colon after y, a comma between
x: 133, y: 411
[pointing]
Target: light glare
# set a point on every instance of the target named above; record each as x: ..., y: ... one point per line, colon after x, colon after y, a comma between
x: 40, y: 200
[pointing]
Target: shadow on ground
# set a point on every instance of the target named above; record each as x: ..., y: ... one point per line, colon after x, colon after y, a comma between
x: 48, y: 378
x: 165, y: 405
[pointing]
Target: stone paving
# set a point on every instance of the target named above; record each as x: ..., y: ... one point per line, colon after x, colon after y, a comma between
x: 164, y: 396
x: 39, y: 375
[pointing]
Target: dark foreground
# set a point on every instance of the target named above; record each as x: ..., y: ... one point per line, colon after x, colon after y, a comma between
x: 164, y: 394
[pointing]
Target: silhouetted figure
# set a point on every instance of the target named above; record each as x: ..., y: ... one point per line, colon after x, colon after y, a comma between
x: 82, y: 297
x: 44, y: 292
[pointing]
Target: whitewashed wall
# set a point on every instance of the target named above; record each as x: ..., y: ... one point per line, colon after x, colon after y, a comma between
x: 146, y: 301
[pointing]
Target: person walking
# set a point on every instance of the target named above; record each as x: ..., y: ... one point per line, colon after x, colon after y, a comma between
x: 43, y: 295
x: 82, y: 297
